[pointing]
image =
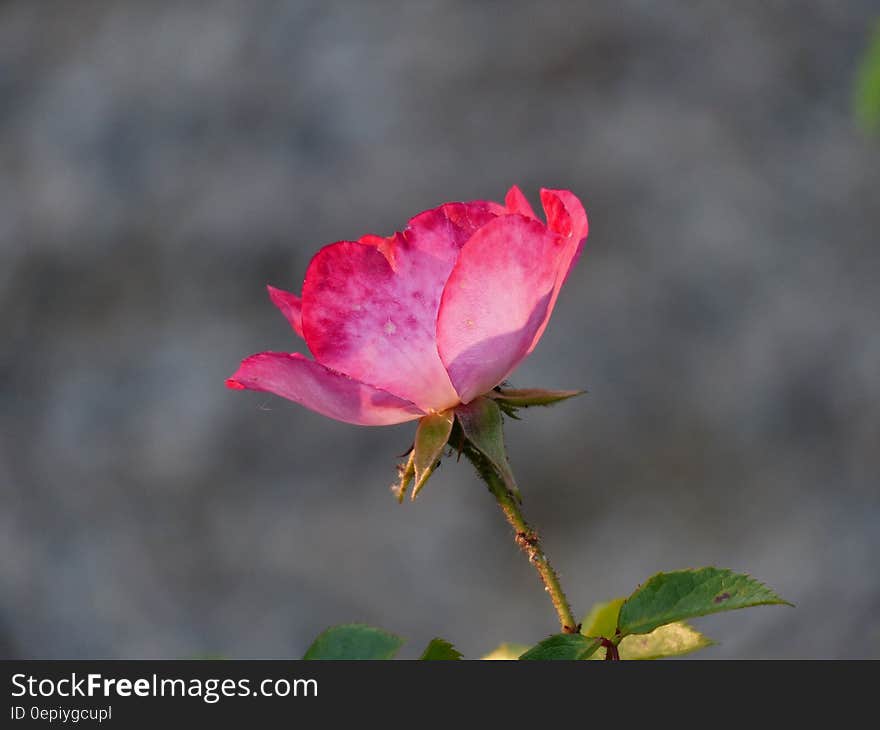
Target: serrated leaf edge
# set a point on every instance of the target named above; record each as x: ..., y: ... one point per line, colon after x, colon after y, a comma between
x: 778, y: 602
x: 400, y: 641
x: 445, y: 644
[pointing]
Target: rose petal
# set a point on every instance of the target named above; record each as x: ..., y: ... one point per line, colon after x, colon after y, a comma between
x: 566, y: 216
x: 320, y: 389
x: 370, y: 308
x: 290, y: 306
x: 516, y: 202
x: 495, y: 300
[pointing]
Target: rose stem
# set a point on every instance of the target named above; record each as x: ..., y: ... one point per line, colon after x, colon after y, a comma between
x: 526, y: 538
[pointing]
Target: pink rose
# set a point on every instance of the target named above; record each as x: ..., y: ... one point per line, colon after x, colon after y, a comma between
x: 426, y: 319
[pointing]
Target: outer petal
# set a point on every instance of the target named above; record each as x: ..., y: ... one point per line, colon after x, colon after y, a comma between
x: 567, y: 217
x: 516, y: 202
x: 290, y: 306
x: 332, y: 394
x: 495, y: 301
x: 370, y: 308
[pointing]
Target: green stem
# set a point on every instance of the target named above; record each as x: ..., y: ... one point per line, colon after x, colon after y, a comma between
x: 526, y: 538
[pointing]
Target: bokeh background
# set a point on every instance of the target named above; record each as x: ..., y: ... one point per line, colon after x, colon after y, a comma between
x: 160, y: 162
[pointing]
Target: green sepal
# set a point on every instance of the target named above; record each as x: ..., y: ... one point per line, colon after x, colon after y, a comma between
x: 405, y: 474
x: 432, y: 436
x: 483, y: 426
x: 528, y: 397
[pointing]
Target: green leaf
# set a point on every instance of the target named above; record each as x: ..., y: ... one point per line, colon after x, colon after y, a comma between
x: 483, y: 426
x: 526, y: 397
x: 867, y: 93
x: 669, y: 597
x: 506, y: 652
x: 431, y: 437
x: 665, y: 641
x: 602, y: 619
x: 440, y: 650
x: 563, y: 646
x: 354, y: 641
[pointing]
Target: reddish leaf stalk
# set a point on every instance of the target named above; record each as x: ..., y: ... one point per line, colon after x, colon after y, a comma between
x: 611, y: 651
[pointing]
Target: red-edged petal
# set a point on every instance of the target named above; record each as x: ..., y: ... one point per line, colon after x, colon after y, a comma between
x: 320, y: 389
x: 495, y: 300
x: 370, y: 308
x: 516, y: 202
x: 565, y: 216
x: 290, y: 306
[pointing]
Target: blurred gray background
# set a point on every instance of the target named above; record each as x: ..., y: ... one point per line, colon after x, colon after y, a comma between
x: 161, y: 162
